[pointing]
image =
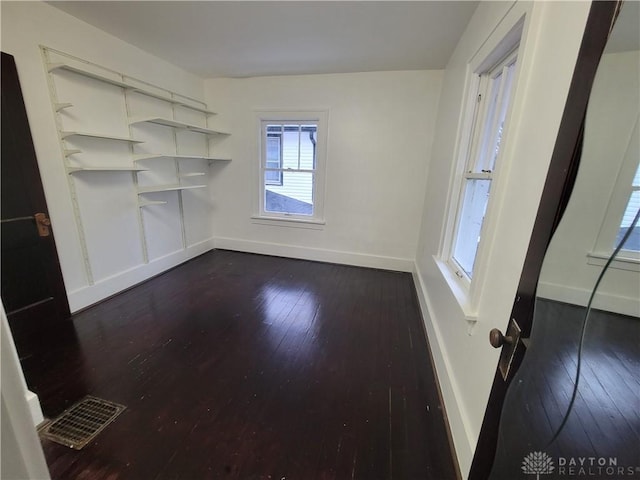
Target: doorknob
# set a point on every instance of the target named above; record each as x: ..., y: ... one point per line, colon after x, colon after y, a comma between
x: 43, y: 224
x: 497, y: 339
x: 509, y: 342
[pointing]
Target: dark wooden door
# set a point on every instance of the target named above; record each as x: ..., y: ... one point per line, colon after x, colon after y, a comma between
x: 555, y: 196
x: 33, y: 291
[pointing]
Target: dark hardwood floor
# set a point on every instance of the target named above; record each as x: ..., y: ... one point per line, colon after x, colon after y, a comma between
x: 253, y: 367
x: 604, y: 423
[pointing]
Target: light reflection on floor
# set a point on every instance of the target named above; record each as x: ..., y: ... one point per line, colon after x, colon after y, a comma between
x: 290, y: 318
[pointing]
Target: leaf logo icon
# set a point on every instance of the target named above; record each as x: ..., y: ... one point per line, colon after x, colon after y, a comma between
x: 537, y: 463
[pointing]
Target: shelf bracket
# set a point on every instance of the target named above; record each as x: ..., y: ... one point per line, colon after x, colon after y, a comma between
x: 62, y: 106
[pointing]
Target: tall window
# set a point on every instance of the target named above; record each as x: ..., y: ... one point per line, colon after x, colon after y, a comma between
x: 492, y: 99
x: 291, y: 166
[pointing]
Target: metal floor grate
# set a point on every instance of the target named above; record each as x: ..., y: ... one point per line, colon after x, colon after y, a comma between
x: 80, y: 424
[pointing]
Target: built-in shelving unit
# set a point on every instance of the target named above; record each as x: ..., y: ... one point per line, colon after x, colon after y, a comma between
x: 167, y: 122
x: 86, y: 106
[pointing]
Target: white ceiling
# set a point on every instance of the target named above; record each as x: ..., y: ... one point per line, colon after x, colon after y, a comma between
x: 241, y: 39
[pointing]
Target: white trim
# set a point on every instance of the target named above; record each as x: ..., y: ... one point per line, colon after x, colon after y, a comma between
x: 459, y: 287
x: 580, y: 296
x: 34, y: 407
x: 315, y: 254
x: 18, y: 432
x: 460, y: 155
x: 86, y: 296
x: 620, y: 262
x: 459, y: 424
x: 288, y: 222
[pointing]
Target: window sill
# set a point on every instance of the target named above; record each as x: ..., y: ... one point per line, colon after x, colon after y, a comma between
x: 460, y: 292
x: 622, y: 263
x: 288, y: 222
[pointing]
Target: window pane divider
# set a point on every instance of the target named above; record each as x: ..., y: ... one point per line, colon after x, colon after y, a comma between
x: 294, y: 170
x: 478, y: 175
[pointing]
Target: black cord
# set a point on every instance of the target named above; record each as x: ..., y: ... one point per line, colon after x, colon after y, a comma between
x: 584, y: 327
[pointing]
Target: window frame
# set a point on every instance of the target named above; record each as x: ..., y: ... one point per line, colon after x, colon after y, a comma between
x: 504, y: 43
x: 483, y: 130
x: 311, y: 117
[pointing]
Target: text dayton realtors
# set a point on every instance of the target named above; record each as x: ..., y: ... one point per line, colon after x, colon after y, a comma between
x: 592, y: 466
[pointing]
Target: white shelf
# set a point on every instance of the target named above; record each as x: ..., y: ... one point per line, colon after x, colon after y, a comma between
x: 159, y: 156
x: 197, y: 109
x: 168, y: 188
x: 105, y: 169
x: 85, y: 73
x: 147, y: 203
x: 167, y: 122
x: 62, y: 106
x: 119, y: 83
x: 194, y: 174
x: 71, y: 151
x: 66, y: 134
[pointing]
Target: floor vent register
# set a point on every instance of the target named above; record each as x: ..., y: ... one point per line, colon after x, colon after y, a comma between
x: 78, y: 425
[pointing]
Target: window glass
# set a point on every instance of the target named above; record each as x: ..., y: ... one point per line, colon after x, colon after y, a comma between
x: 290, y: 159
x: 473, y: 209
x: 274, y: 159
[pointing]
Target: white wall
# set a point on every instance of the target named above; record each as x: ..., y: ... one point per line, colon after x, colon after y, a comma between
x: 21, y: 454
x: 112, y: 233
x: 612, y: 114
x: 465, y: 361
x: 380, y: 132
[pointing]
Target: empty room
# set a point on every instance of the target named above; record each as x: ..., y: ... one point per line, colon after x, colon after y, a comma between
x: 320, y: 240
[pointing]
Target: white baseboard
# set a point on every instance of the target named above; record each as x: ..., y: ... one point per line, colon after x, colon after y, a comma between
x: 83, y: 297
x: 316, y: 254
x: 464, y: 444
x: 580, y: 296
x: 34, y: 408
